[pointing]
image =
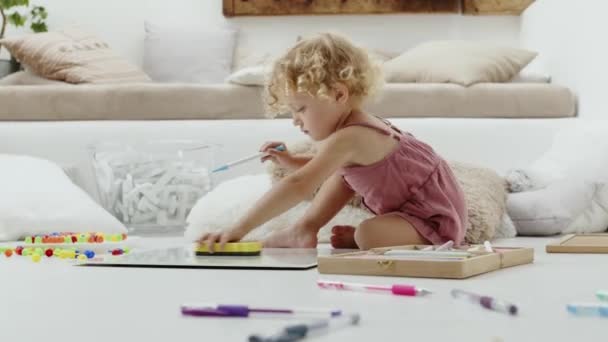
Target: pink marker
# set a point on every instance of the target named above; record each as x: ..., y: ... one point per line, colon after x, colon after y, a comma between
x: 399, y: 290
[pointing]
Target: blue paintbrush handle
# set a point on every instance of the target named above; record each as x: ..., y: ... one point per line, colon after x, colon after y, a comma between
x: 246, y: 159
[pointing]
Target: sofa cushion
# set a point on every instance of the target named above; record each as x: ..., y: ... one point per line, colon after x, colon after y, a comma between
x: 27, y: 77
x: 192, y: 55
x: 493, y: 100
x: 153, y: 101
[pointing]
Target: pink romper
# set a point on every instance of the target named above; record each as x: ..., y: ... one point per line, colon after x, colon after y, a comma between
x: 414, y: 183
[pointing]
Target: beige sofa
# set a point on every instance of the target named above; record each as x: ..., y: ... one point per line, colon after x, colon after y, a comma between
x: 156, y: 101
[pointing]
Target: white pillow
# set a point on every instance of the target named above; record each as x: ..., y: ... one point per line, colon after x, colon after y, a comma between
x: 455, y: 61
x: 571, y: 173
x: 594, y: 218
x: 565, y: 206
x: 530, y: 77
x: 223, y: 206
x: 250, y: 76
x: 190, y: 55
x: 579, y: 151
x: 38, y: 198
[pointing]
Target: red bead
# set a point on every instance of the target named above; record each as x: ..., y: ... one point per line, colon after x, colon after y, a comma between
x: 74, y: 239
x: 48, y: 252
x: 19, y: 250
x: 117, y: 252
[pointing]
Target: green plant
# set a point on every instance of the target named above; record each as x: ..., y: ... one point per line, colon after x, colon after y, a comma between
x: 12, y: 12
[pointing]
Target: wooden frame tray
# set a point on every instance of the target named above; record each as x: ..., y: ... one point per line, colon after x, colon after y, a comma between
x: 374, y: 262
x: 580, y: 243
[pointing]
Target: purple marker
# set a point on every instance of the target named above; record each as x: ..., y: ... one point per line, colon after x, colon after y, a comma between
x: 220, y: 310
x: 487, y: 302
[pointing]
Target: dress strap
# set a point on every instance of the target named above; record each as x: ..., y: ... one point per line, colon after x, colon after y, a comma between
x: 380, y: 130
x: 374, y: 127
x: 389, y: 124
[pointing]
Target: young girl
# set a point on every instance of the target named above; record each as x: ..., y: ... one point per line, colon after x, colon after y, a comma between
x: 414, y: 194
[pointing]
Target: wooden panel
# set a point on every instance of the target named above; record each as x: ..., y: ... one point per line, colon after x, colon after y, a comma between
x: 508, y: 7
x: 591, y: 243
x: 362, y: 263
x: 301, y: 7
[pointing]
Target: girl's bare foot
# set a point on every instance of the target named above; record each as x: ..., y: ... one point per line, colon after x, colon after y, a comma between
x: 343, y: 237
x: 292, y: 237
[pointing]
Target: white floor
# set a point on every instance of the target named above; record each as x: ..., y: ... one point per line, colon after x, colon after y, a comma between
x: 52, y: 301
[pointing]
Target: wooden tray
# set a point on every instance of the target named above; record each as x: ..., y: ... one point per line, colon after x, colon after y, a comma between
x: 580, y: 243
x: 373, y: 262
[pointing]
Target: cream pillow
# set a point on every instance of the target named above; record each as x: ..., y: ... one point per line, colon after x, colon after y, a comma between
x: 460, y: 62
x: 72, y: 56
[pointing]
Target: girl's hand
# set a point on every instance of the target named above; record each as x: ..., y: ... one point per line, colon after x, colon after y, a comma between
x: 231, y: 235
x: 283, y: 158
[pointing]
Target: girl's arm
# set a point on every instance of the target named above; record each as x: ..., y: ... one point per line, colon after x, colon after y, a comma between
x: 291, y: 190
x: 332, y: 197
x: 298, y: 161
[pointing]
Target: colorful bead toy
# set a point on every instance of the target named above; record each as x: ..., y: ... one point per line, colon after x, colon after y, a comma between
x: 37, y: 252
x: 66, y: 238
x: 36, y: 257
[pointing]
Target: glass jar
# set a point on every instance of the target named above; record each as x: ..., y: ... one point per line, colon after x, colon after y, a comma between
x: 152, y: 186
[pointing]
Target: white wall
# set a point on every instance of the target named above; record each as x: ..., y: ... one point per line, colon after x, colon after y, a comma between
x: 120, y: 22
x: 570, y: 37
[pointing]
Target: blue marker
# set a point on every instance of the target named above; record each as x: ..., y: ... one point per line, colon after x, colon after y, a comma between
x: 246, y: 159
x: 297, y: 332
x: 588, y: 309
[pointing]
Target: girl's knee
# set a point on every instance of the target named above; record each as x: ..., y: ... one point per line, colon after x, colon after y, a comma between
x: 363, y: 235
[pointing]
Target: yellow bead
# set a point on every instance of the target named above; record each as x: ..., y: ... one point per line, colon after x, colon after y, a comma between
x: 82, y: 257
x: 36, y: 257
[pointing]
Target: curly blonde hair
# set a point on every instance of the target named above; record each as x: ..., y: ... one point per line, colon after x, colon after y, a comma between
x: 314, y: 65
